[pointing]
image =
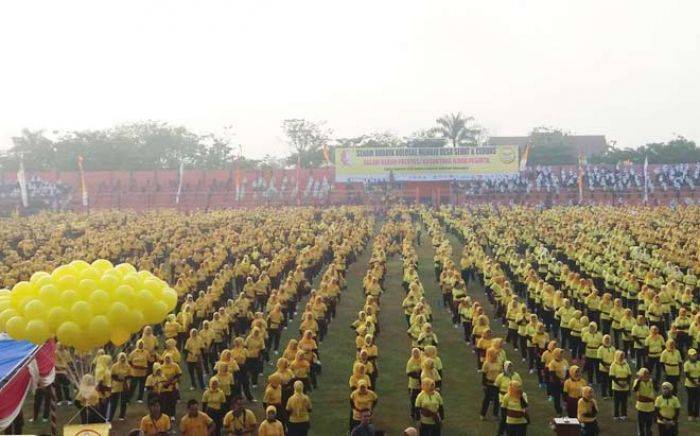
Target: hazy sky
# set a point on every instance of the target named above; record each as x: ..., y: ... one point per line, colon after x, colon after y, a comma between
x: 627, y: 69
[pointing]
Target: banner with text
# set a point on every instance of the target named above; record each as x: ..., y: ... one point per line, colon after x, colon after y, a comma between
x: 356, y: 164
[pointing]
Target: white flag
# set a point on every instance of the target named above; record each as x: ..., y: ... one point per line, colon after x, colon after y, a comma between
x: 646, y: 182
x: 179, y: 183
x: 22, y: 181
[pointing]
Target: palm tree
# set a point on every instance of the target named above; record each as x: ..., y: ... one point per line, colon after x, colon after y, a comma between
x: 457, y: 129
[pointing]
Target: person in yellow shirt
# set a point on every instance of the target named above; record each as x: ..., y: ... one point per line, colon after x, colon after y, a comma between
x: 299, y: 410
x: 120, y: 375
x: 557, y: 368
x: 621, y: 378
x: 138, y: 359
x: 169, y: 392
x: 644, y: 391
x: 592, y: 340
x: 273, y: 394
x: 196, y: 423
x: 668, y: 409
x: 573, y: 390
x: 691, y: 370
x: 514, y: 407
x: 193, y: 357
x: 606, y: 355
x: 213, y: 401
x: 502, y: 382
x: 271, y: 426
x: 239, y: 421
x: 429, y: 404
x: 155, y: 423
x: 587, y: 412
x: 413, y: 371
x: 154, y: 383
x: 361, y: 399
x: 671, y: 360
x: 655, y: 345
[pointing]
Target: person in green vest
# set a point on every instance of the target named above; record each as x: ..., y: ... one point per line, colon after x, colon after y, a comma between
x: 643, y: 388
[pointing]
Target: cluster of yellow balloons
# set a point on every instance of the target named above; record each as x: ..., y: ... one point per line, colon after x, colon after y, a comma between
x: 85, y: 305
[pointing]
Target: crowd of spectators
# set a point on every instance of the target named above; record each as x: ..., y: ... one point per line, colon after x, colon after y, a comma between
x: 40, y: 193
x: 595, y: 178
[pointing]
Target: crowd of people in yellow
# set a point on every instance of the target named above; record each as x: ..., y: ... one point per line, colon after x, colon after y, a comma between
x: 241, y: 277
x: 600, y: 303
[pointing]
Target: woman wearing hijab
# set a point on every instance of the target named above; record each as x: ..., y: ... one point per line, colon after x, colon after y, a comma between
x: 138, y: 359
x: 361, y: 399
x: 573, y: 388
x: 672, y: 361
x: 644, y: 391
x: 514, y: 406
x: 286, y: 378
x: 120, y: 374
x: 273, y: 394
x: 606, y: 356
x: 621, y: 378
x: 255, y: 344
x: 489, y: 371
x: 193, y: 358
x: 271, y: 426
x: 430, y: 407
x: 691, y: 369
x: 502, y: 382
x: 558, y: 368
x: 301, y: 368
x: 103, y: 379
x: 655, y: 345
x: 587, y: 412
x: 299, y: 410
x: 169, y: 393
x: 668, y: 409
x: 592, y: 339
x: 413, y: 371
x: 154, y: 383
x: 213, y: 401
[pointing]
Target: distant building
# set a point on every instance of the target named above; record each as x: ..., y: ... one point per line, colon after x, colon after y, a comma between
x: 586, y: 144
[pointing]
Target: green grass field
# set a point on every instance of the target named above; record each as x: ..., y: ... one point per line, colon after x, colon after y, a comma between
x: 462, y: 390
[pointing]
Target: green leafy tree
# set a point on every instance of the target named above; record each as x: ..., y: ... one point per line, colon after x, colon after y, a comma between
x: 551, y: 146
x: 458, y: 130
x: 676, y: 150
x: 306, y: 139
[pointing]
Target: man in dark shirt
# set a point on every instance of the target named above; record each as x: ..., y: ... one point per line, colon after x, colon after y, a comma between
x: 364, y: 428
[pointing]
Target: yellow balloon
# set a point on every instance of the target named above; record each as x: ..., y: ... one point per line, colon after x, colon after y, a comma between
x: 155, y: 312
x: 5, y: 303
x: 90, y: 273
x: 124, y: 294
x: 109, y: 281
x: 81, y: 313
x: 38, y: 276
x: 16, y: 327
x: 99, y: 329
x: 79, y: 265
x: 37, y: 332
x: 102, y: 265
x: 134, y: 320
x: 50, y: 295
x: 117, y: 313
x: 125, y: 268
x: 169, y: 297
x: 67, y: 333
x: 132, y: 280
x: 34, y: 309
x: 64, y: 270
x: 5, y: 315
x: 43, y: 281
x: 144, y: 298
x: 100, y: 301
x: 119, y: 336
x: 68, y: 298
x: 67, y: 282
x: 5, y: 293
x: 56, y: 317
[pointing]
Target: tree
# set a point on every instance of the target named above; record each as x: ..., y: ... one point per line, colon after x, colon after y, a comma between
x: 676, y: 150
x: 305, y: 139
x: 458, y: 130
x: 134, y: 146
x: 426, y: 138
x: 551, y: 146
x: 374, y: 139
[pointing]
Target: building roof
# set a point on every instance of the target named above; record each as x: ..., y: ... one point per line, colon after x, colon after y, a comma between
x: 588, y: 144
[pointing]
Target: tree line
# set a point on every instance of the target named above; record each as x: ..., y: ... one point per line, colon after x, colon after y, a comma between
x: 154, y: 145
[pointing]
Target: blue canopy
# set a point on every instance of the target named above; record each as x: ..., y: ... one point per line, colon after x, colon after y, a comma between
x: 13, y: 356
